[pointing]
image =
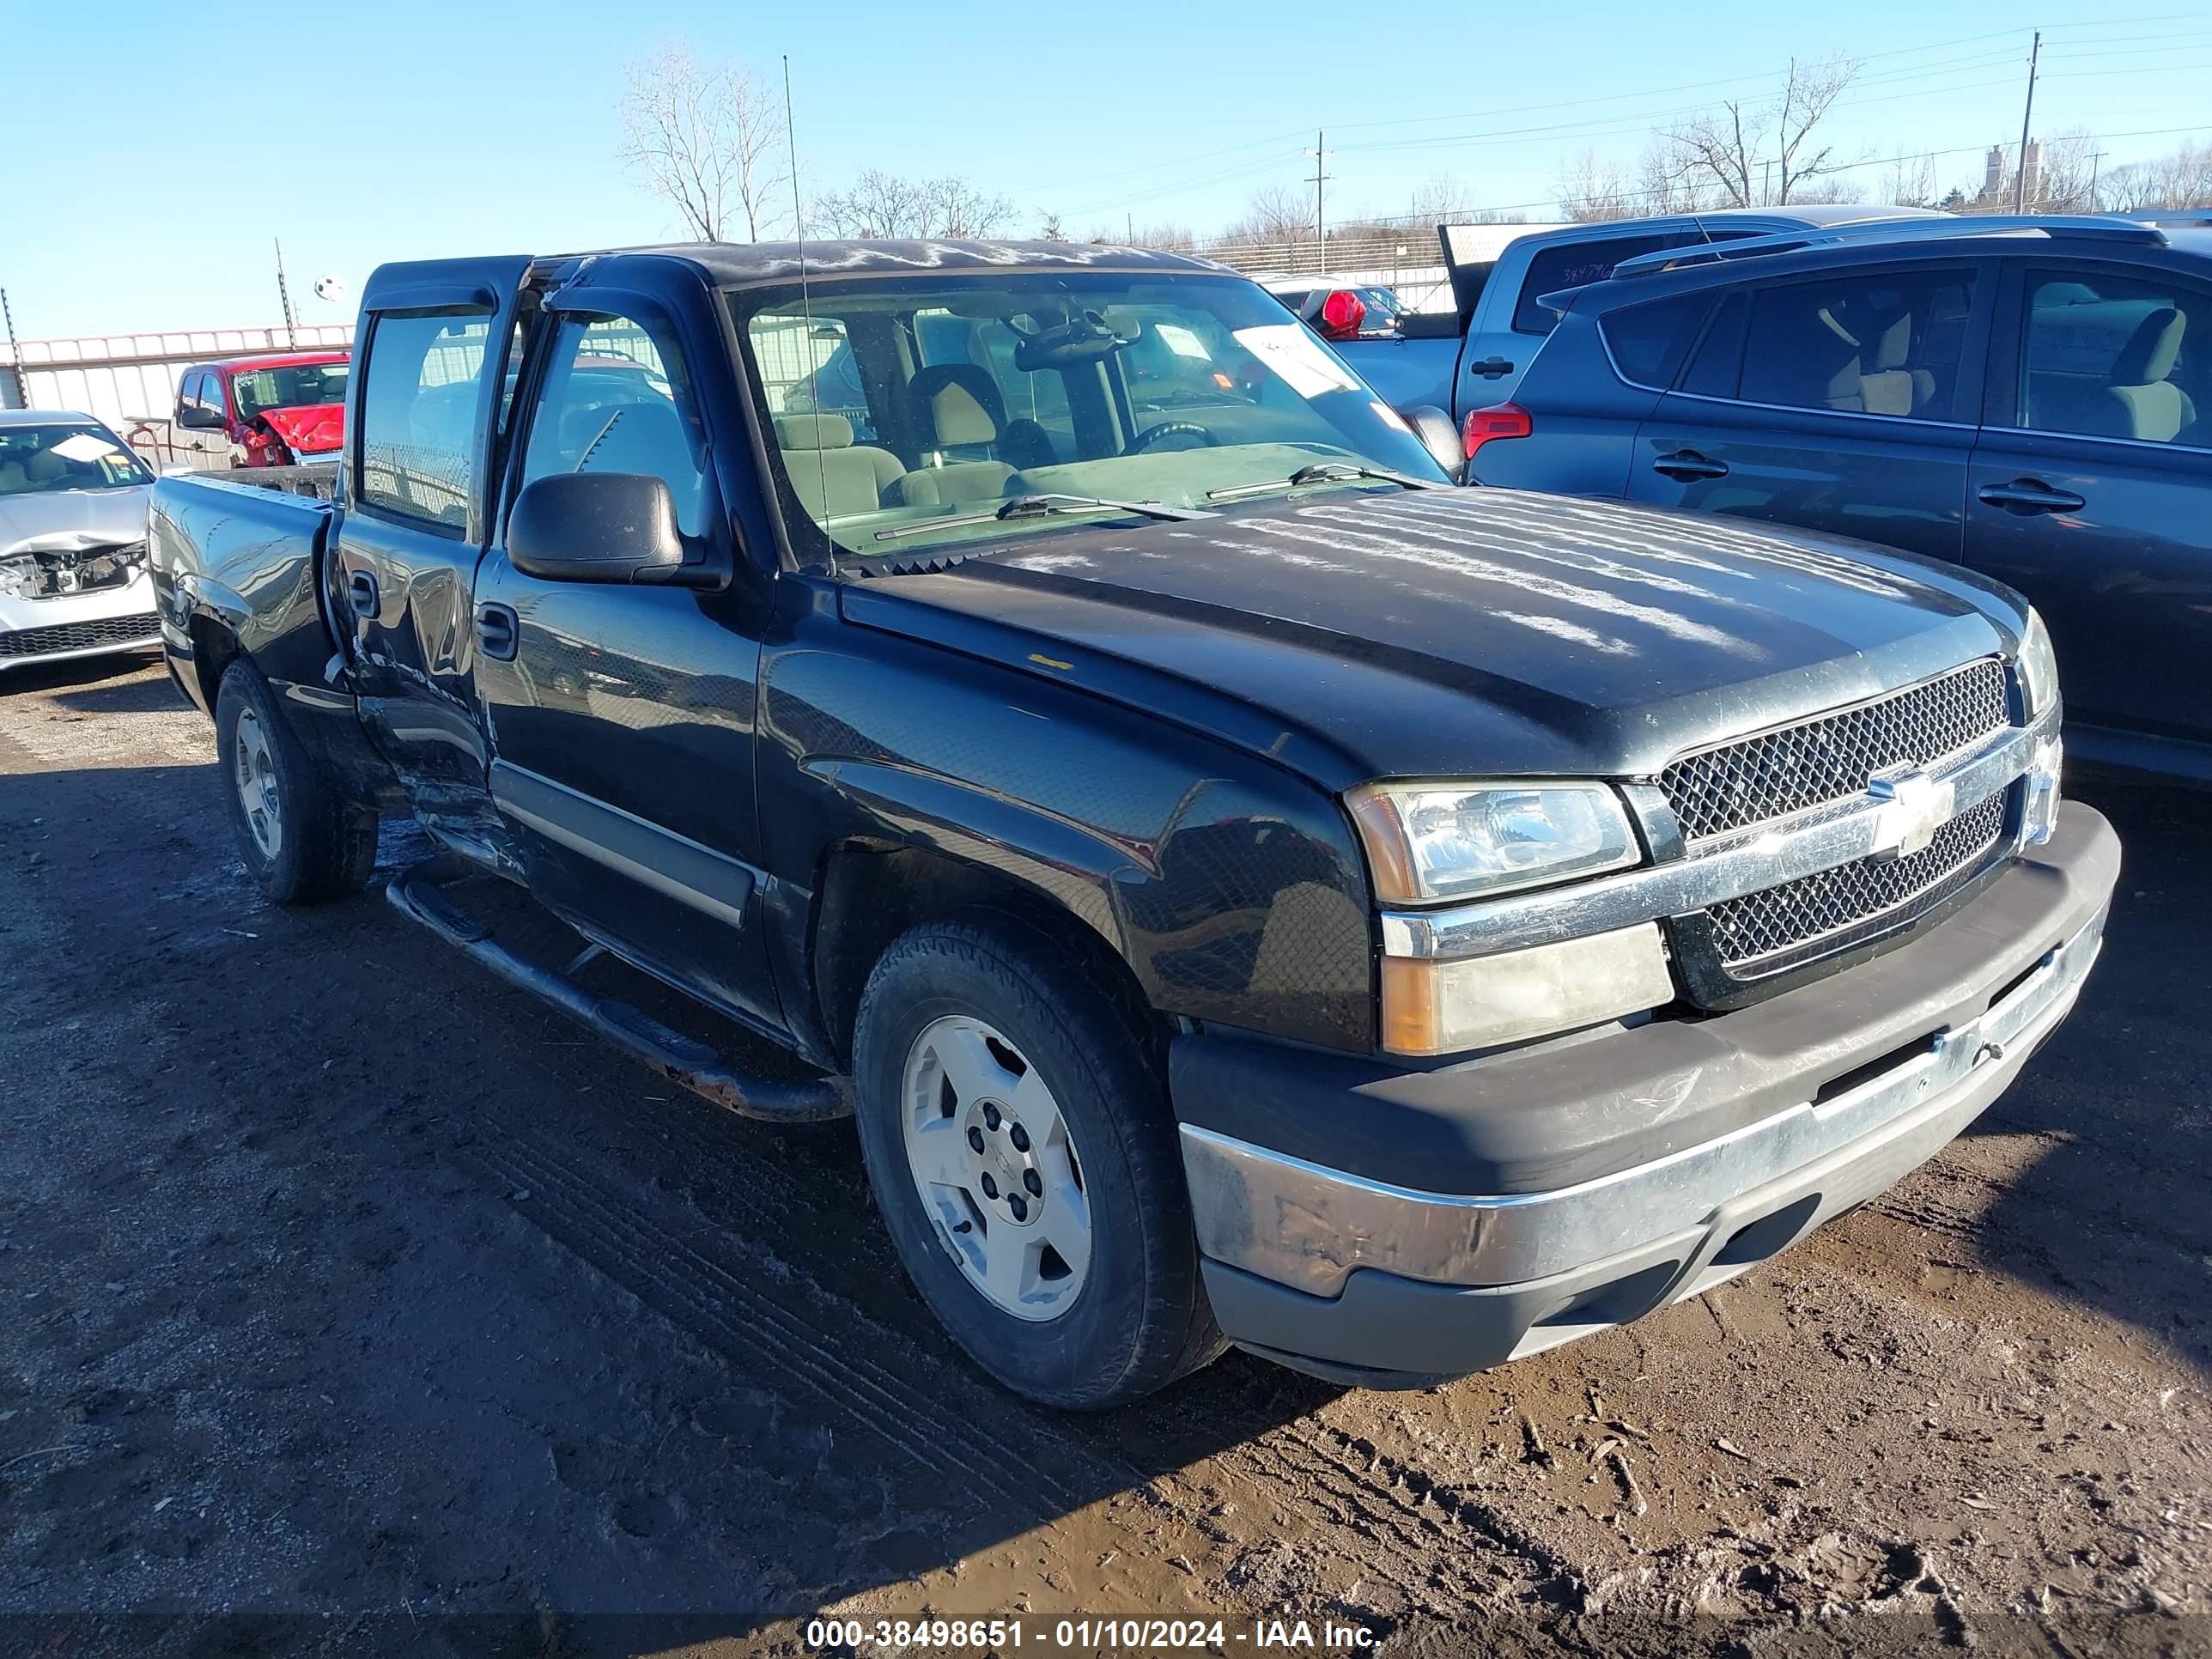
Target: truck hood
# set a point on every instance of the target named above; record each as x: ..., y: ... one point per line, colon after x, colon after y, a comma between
x: 72, y: 519
x: 1461, y: 632
x: 312, y: 430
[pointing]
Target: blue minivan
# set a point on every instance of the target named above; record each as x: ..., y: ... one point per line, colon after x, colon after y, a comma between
x: 2029, y: 397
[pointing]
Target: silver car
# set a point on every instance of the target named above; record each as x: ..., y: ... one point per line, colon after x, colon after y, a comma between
x: 73, y: 576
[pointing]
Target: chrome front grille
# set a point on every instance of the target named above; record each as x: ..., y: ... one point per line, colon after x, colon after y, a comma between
x: 1833, y: 908
x: 1833, y: 757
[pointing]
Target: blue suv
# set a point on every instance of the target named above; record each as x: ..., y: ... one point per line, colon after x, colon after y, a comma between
x: 2032, y: 398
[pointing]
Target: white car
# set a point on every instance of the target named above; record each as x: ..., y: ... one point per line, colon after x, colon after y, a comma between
x: 73, y: 576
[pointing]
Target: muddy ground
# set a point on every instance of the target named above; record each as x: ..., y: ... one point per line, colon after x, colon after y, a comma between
x: 352, y: 1302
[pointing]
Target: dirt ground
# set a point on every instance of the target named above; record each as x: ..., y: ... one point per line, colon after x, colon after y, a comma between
x: 352, y: 1301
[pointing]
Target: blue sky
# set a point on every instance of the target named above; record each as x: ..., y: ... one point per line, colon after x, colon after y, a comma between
x: 151, y: 161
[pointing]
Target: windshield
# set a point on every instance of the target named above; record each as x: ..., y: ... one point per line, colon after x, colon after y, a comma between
x: 66, y: 456
x: 301, y: 386
x: 907, y: 411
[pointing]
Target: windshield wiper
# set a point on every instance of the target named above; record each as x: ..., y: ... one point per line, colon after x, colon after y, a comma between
x: 1037, y: 507
x: 1325, y: 472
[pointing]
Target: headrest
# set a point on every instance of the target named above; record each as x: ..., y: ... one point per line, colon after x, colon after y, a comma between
x: 2151, y: 351
x: 1893, y: 345
x: 44, y: 466
x: 960, y: 402
x: 813, y: 432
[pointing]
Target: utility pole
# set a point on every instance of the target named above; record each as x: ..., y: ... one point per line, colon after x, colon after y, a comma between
x: 14, y: 355
x: 284, y: 299
x: 2027, y: 110
x: 1320, y: 225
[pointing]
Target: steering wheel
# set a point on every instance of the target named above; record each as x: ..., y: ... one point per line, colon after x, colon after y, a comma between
x: 1153, y: 434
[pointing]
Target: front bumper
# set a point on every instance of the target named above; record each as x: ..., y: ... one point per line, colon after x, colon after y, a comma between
x: 1535, y: 1197
x: 79, y: 625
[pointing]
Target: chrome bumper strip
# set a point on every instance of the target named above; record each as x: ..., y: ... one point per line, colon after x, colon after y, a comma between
x: 1307, y: 1226
x: 1722, y: 868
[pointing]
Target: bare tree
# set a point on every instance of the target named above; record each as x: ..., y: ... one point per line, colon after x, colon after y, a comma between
x: 2181, y: 179
x: 1591, y: 191
x: 1911, y: 181
x: 706, y: 137
x: 1275, y: 212
x: 1762, y: 153
x: 880, y: 204
x: 1049, y: 229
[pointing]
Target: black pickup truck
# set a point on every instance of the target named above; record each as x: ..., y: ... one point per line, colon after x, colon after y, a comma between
x: 1247, y: 888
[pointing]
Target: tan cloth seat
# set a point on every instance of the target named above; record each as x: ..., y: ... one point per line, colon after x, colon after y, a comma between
x: 956, y: 406
x: 44, y: 467
x: 833, y: 477
x: 13, y: 478
x: 2151, y: 407
x: 1889, y: 387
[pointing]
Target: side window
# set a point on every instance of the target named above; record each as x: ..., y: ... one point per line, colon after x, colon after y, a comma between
x: 1719, y: 358
x: 617, y: 400
x: 2107, y: 356
x: 1570, y: 264
x: 807, y: 368
x: 1648, y: 342
x: 1875, y: 343
x: 418, y: 414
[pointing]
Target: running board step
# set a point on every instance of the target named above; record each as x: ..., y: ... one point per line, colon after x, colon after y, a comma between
x: 418, y: 894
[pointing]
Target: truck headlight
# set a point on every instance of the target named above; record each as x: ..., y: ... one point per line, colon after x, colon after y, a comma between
x: 1427, y: 842
x: 1444, y: 1007
x: 2039, y: 666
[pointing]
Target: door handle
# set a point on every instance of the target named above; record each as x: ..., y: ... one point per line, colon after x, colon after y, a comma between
x: 360, y: 591
x: 2027, y: 495
x: 1687, y: 466
x: 497, y: 631
x: 1491, y: 369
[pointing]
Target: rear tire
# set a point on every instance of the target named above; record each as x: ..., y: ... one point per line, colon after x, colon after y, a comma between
x: 300, y: 836
x: 979, y: 1029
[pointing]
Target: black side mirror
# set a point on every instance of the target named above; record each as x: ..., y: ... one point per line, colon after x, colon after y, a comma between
x: 596, y: 527
x: 198, y: 416
x: 1439, y: 437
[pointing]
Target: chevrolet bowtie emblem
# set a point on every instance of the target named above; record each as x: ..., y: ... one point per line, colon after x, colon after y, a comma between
x: 1914, y: 806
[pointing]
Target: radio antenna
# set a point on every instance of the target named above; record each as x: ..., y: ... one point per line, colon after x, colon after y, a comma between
x: 807, y: 310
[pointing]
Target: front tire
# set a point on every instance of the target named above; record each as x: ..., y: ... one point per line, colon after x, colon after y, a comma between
x: 1019, y: 1141
x: 300, y: 838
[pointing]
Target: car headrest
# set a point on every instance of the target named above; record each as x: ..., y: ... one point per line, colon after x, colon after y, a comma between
x: 44, y: 466
x: 2152, y: 350
x: 813, y: 432
x: 959, y: 403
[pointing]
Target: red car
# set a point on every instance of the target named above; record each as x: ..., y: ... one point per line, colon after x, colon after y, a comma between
x: 276, y: 411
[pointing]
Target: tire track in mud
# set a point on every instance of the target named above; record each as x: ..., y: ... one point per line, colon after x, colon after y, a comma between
x: 881, y: 1381
x: 609, y: 1226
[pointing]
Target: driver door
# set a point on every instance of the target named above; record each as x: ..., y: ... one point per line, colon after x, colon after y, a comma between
x: 622, y: 715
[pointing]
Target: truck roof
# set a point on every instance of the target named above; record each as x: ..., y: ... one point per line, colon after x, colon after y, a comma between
x: 738, y: 263
x: 278, y: 360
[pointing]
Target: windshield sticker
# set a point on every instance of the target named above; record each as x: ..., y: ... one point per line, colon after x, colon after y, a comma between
x: 83, y: 447
x: 1297, y: 357
x: 1183, y: 342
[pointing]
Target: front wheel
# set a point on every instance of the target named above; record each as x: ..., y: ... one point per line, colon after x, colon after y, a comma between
x: 1023, y: 1155
x: 299, y: 835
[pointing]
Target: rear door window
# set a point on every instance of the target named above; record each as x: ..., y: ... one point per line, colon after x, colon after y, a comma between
x: 2108, y: 355
x: 1649, y: 342
x: 418, y: 415
x: 1719, y: 357
x: 1571, y: 265
x: 1861, y: 343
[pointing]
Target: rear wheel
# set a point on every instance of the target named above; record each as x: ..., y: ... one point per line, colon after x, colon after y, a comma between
x: 1023, y: 1155
x: 300, y: 838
